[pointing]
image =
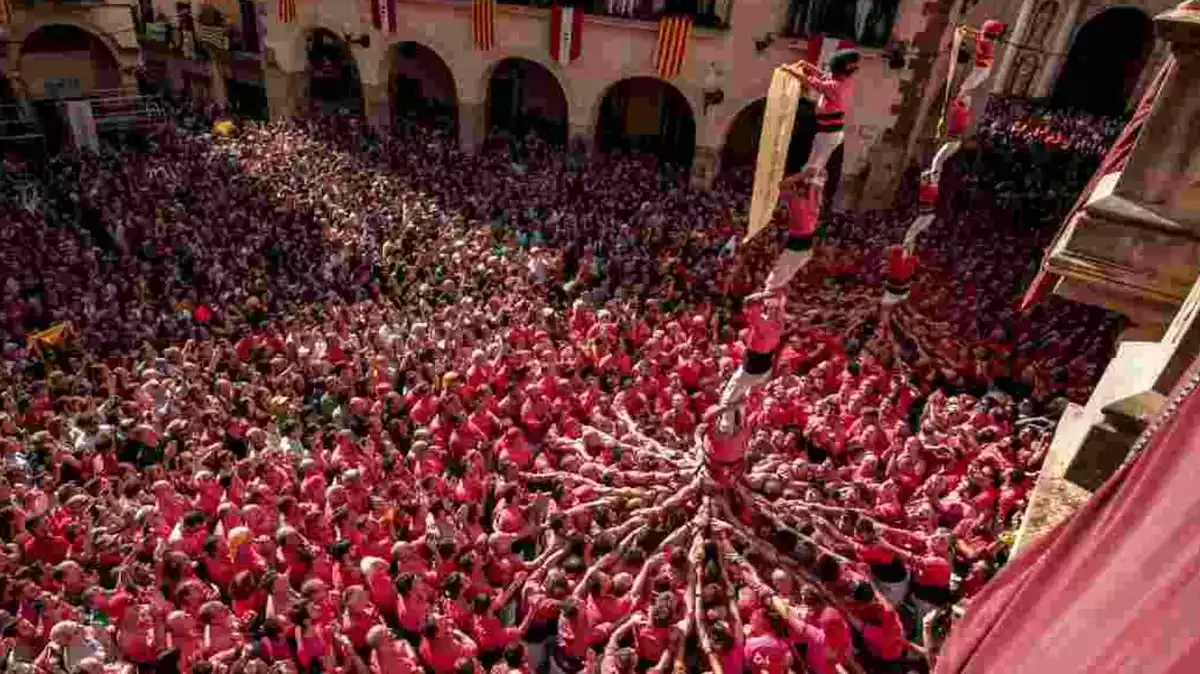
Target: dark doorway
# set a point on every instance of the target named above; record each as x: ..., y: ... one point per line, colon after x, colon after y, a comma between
x: 423, y: 87
x: 741, y: 142
x: 644, y: 114
x: 523, y: 98
x: 334, y: 84
x: 1106, y: 59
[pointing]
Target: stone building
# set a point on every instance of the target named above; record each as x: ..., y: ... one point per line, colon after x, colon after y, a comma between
x: 239, y: 52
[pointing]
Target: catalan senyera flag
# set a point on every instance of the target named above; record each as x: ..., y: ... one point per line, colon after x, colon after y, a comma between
x: 674, y: 34
x: 820, y: 48
x: 566, y: 33
x: 51, y: 336
x: 286, y: 10
x: 483, y: 23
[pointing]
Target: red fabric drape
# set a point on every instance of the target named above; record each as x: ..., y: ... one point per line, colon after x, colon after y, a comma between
x: 1113, y: 162
x: 1115, y: 588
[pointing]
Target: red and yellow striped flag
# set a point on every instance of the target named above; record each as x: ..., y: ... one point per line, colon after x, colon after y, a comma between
x: 51, y: 336
x: 5, y: 12
x: 287, y: 10
x: 674, y: 33
x: 483, y: 23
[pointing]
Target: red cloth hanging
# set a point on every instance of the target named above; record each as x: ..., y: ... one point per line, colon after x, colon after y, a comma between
x: 1115, y: 588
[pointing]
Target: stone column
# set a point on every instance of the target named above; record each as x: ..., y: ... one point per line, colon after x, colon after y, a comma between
x: 1015, y: 36
x: 377, y: 106
x: 705, y: 167
x: 1058, y: 49
x: 285, y: 91
x: 472, y: 125
x: 582, y: 136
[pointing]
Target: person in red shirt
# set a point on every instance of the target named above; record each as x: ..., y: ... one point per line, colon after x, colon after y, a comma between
x: 43, y: 545
x: 880, y: 626
x: 803, y: 199
x: 443, y: 646
x: 765, y: 332
x: 985, y: 55
x: 725, y: 438
x: 901, y: 266
x: 836, y: 88
x: 958, y: 120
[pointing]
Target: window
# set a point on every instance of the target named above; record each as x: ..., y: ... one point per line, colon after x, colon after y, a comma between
x: 866, y: 22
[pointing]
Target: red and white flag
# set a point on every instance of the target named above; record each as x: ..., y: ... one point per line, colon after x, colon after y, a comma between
x: 383, y: 15
x: 566, y: 33
x: 822, y: 47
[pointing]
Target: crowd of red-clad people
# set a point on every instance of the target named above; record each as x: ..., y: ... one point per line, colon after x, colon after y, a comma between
x: 312, y: 400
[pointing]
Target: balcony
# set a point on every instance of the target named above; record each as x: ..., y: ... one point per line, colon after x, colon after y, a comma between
x: 867, y: 23
x: 705, y: 13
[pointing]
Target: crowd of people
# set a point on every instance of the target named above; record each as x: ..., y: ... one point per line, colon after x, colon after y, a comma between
x: 1037, y: 157
x: 308, y: 399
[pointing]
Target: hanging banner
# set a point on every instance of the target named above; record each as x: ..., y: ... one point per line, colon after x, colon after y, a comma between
x: 773, y: 145
x: 674, y: 34
x: 483, y: 23
x: 83, y: 125
x: 566, y: 33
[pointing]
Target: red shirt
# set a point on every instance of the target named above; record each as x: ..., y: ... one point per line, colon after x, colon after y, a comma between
x: 885, y: 640
x: 958, y: 118
x: 765, y: 332
x: 933, y: 571
x: 803, y: 212
x: 901, y: 265
x: 985, y: 52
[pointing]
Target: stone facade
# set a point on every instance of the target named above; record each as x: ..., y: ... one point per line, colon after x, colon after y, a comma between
x: 889, y: 124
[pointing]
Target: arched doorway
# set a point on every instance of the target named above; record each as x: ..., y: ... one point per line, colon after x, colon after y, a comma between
x: 525, y: 97
x: 1105, y: 61
x: 741, y: 141
x: 333, y: 85
x: 645, y: 114
x: 65, y: 61
x: 423, y: 87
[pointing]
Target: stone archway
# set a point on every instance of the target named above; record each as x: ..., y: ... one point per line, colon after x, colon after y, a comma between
x: 422, y: 86
x: 334, y: 84
x: 646, y: 114
x: 1106, y: 59
x: 741, y: 140
x: 525, y: 97
x: 62, y: 60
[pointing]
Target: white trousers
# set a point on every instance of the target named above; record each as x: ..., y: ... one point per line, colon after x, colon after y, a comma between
x: 944, y: 153
x: 740, y: 384
x: 786, y: 266
x: 822, y: 149
x: 891, y: 299
x: 919, y: 224
x: 976, y: 77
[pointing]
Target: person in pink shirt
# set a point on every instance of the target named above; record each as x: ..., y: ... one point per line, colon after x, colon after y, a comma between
x: 388, y: 655
x: 836, y: 89
x: 985, y: 55
x: 725, y: 439
x: 764, y: 313
x: 443, y: 647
